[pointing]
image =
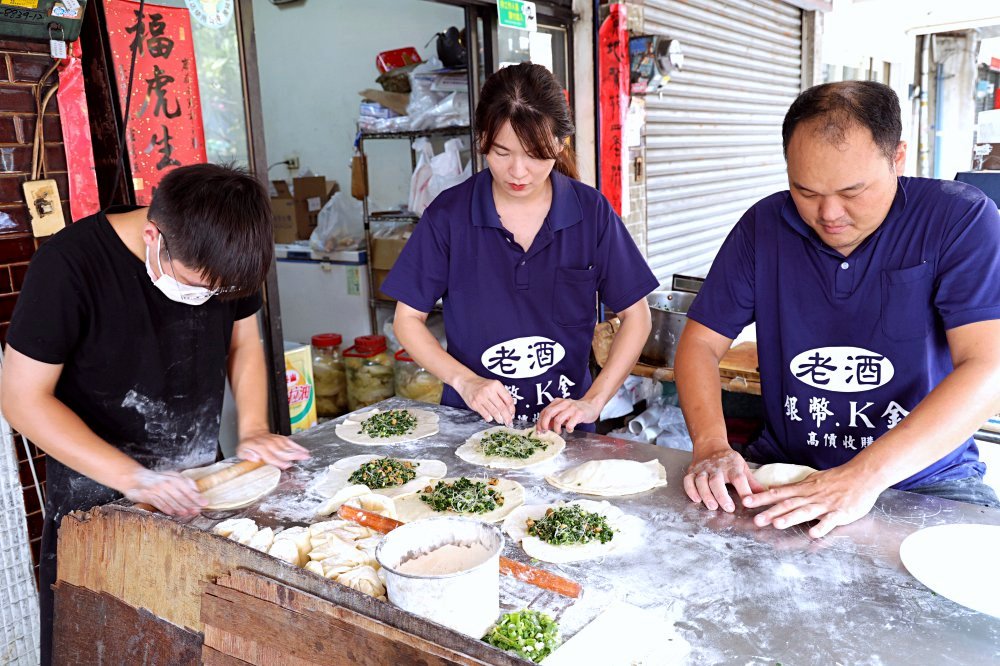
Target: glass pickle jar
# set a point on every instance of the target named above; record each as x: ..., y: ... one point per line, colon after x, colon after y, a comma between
x: 414, y: 382
x: 369, y: 372
x: 329, y: 375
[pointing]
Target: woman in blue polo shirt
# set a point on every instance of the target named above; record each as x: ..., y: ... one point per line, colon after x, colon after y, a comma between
x: 520, y: 254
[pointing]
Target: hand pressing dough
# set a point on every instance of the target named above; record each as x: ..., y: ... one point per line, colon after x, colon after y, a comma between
x: 363, y: 579
x: 610, y: 478
x: 350, y: 429
x: 411, y: 507
x: 337, y: 475
x: 628, y: 533
x: 472, y: 450
x: 239, y: 492
x: 781, y: 474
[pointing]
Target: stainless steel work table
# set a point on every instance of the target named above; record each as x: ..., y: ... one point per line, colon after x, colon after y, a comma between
x: 739, y: 594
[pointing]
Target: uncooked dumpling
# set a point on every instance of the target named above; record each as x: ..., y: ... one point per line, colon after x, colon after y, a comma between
x: 245, y: 526
x: 363, y: 579
x: 262, y: 540
x: 380, y: 504
x: 315, y: 567
x: 781, y: 474
x: 348, y: 492
x: 299, y: 536
x: 350, y: 429
x: 338, y: 552
x: 610, y: 478
x: 285, y: 549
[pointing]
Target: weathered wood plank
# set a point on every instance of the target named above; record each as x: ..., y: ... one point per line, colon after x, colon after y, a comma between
x: 212, y: 657
x: 95, y: 628
x: 304, y: 629
x: 151, y: 561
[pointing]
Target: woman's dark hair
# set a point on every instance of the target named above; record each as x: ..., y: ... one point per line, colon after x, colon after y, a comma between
x: 847, y: 104
x: 532, y: 100
x: 216, y: 220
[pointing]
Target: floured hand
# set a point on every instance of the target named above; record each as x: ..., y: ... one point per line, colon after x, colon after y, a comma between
x: 169, y: 492
x: 708, y: 477
x: 834, y: 497
x: 273, y: 449
x: 488, y: 398
x: 562, y: 413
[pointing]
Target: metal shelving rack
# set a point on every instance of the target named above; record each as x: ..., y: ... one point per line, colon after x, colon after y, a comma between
x: 395, y: 217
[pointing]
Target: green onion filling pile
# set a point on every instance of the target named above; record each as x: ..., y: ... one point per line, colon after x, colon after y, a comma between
x: 529, y: 634
x: 384, y: 473
x: 463, y: 496
x: 569, y: 525
x: 511, y: 445
x: 389, y: 424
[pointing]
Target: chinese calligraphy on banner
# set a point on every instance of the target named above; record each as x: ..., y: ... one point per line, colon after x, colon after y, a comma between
x: 614, y: 94
x: 165, y: 127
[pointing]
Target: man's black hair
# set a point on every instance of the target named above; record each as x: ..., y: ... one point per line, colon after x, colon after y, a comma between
x: 217, y: 220
x: 845, y: 104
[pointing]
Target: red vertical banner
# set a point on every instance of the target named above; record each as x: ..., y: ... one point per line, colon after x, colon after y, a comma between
x: 614, y: 94
x: 83, y: 197
x: 165, y: 127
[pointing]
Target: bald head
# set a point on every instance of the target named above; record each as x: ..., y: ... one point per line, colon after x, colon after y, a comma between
x: 831, y: 110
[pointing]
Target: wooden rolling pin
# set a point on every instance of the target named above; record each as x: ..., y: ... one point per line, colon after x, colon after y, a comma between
x: 522, y: 572
x: 217, y: 478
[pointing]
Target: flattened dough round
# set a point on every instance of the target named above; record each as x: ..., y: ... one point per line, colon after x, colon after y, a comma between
x: 411, y: 507
x: 350, y: 429
x: 628, y: 533
x: 239, y: 492
x: 337, y: 474
x: 472, y: 450
x: 610, y: 478
x: 781, y: 474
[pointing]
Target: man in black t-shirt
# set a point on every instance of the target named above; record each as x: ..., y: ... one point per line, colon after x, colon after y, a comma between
x: 121, y: 341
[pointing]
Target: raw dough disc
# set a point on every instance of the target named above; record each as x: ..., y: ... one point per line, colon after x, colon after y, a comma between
x: 411, y: 507
x: 610, y: 478
x: 239, y: 492
x: 628, y: 533
x: 781, y: 474
x: 336, y: 478
x: 350, y: 429
x: 472, y: 450
x: 958, y: 562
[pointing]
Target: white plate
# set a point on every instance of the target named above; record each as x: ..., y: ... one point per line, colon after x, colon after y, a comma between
x: 958, y: 562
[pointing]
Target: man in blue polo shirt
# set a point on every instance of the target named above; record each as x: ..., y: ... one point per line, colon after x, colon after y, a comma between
x: 877, y: 304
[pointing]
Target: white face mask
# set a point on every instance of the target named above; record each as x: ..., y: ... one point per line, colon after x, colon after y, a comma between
x: 171, y: 288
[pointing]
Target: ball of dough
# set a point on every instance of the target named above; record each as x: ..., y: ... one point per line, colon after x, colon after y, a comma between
x: 285, y: 549
x: 781, y: 474
x: 243, y: 525
x: 262, y: 540
x: 298, y: 536
x: 315, y: 567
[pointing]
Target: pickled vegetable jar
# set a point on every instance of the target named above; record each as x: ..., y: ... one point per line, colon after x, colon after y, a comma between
x: 369, y: 372
x: 329, y: 375
x: 414, y: 382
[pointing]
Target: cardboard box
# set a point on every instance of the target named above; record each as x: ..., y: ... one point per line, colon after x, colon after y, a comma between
x: 295, y: 210
x: 385, y: 251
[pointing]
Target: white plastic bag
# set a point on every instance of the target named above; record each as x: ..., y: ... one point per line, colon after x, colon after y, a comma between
x: 447, y: 168
x: 340, y: 225
x: 420, y: 196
